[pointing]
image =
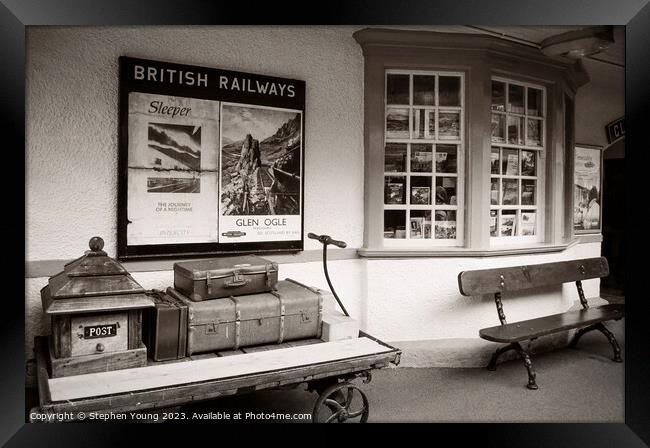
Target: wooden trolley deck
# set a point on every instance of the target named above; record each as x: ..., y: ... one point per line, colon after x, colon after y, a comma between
x: 166, y: 384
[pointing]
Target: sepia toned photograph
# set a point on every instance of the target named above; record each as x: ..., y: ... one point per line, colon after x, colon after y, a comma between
x: 329, y: 224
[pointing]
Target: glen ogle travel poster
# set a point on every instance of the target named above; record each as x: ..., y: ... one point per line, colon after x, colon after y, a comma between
x: 211, y: 161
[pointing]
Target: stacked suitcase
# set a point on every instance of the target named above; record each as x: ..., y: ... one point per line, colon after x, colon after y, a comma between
x: 228, y: 303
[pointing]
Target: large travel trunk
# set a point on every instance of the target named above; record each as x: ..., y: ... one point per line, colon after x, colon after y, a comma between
x: 224, y: 277
x: 165, y: 327
x: 292, y: 312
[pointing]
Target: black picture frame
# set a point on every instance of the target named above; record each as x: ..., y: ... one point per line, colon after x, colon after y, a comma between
x: 16, y: 14
x: 148, y: 89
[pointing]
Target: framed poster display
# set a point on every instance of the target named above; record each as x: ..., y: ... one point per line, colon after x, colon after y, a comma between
x: 211, y: 161
x: 587, y: 189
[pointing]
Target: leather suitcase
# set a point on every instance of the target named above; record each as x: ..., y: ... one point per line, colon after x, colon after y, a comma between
x: 224, y: 277
x: 294, y: 311
x: 165, y: 327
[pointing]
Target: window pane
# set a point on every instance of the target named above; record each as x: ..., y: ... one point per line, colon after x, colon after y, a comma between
x: 445, y: 225
x: 394, y: 190
x: 446, y: 158
x: 515, y: 99
x: 494, y: 161
x: 510, y: 195
x: 528, y: 222
x: 420, y: 190
x: 528, y: 164
x: 449, y: 91
x: 420, y: 224
x: 445, y: 190
x: 397, y: 123
x: 397, y: 89
x: 395, y: 158
x: 494, y: 214
x: 498, y: 128
x: 498, y: 96
x: 508, y: 223
x: 424, y: 90
x: 494, y: 191
x: 534, y: 135
x: 394, y: 223
x: 424, y: 123
x: 528, y: 192
x: 510, y: 162
x: 534, y: 102
x: 421, y: 158
x: 515, y: 130
x: 449, y: 125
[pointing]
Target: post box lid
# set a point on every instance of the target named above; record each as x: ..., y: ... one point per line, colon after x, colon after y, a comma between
x: 94, y: 274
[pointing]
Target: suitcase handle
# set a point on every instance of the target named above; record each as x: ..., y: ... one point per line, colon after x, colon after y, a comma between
x: 237, y: 281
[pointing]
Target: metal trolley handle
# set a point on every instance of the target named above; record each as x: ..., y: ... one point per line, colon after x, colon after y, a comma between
x: 325, y: 240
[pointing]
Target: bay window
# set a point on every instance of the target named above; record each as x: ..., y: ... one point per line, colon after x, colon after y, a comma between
x: 467, y: 143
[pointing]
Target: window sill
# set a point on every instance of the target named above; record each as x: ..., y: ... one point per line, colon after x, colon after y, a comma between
x: 466, y: 252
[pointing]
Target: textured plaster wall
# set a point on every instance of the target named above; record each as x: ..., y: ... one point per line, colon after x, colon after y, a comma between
x: 72, y: 170
x: 599, y: 102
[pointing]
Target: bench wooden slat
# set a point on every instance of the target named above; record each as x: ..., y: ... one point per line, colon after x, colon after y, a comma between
x: 527, y: 329
x: 488, y: 281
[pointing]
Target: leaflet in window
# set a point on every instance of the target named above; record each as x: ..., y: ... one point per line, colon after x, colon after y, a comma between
x: 498, y: 128
x: 508, y: 222
x: 446, y: 158
x: 528, y: 222
x: 448, y: 125
x: 397, y: 123
x: 421, y: 158
x: 445, y: 228
x: 510, y: 191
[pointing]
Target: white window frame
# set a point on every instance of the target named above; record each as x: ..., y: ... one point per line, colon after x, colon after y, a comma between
x: 540, y: 168
x: 460, y: 162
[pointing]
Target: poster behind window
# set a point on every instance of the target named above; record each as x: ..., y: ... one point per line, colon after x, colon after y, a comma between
x: 587, y: 190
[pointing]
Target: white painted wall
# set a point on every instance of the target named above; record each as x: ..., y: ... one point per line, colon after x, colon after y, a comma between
x: 599, y: 102
x: 71, y: 140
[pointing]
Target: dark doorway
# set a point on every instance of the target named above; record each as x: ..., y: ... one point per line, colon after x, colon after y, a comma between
x: 613, y: 210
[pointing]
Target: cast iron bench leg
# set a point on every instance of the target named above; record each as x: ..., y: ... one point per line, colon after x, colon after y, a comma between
x: 492, y: 366
x: 581, y: 332
x: 608, y: 334
x: 529, y: 367
x: 612, y: 340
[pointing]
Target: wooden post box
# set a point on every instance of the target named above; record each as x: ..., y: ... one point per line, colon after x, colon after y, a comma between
x: 96, y: 311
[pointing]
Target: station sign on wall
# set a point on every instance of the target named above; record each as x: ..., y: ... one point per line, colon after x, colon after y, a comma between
x: 211, y: 161
x: 615, y: 130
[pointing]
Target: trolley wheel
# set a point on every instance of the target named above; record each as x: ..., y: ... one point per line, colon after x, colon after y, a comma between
x: 337, y: 404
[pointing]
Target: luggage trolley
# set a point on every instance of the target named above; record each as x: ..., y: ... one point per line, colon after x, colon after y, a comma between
x: 327, y: 368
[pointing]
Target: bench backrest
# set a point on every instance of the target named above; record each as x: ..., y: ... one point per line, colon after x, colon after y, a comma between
x: 490, y: 281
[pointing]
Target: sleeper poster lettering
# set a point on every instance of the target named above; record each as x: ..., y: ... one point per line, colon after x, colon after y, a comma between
x: 211, y: 161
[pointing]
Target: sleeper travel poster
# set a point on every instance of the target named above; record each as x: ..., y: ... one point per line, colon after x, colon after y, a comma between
x: 587, y: 194
x: 211, y: 161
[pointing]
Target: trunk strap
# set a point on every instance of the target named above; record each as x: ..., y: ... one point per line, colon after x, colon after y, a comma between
x: 237, y: 323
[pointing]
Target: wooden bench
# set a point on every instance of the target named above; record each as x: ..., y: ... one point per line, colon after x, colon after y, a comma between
x: 512, y: 279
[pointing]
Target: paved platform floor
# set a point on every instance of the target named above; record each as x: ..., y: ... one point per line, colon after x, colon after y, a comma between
x: 575, y: 385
